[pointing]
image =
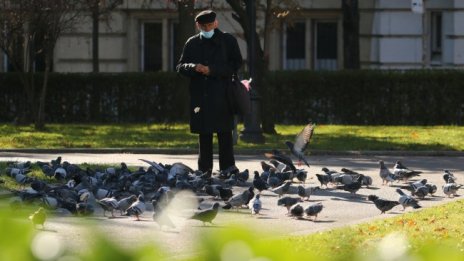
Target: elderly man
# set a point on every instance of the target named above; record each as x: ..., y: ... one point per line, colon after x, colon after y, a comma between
x: 209, y: 59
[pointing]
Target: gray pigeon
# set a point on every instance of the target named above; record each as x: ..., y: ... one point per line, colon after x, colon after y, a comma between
x: 301, y: 143
x: 451, y: 189
x: 137, y: 208
x: 402, y: 172
x: 382, y: 204
x: 282, y: 189
x: 296, y: 211
x: 279, y: 156
x: 125, y: 203
x: 385, y: 174
x: 306, y: 192
x: 406, y: 200
x: 240, y: 199
x: 314, y: 210
x: 108, y: 204
x: 207, y: 215
x: 288, y: 202
x: 256, y: 205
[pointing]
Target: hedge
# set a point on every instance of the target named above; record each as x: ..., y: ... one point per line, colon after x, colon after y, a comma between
x: 419, y: 97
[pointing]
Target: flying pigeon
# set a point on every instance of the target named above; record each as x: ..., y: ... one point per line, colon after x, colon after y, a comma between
x: 301, y: 143
x: 206, y: 215
x: 382, y: 204
x: 314, y: 210
x: 38, y: 217
x: 406, y: 200
x: 279, y: 156
x: 255, y: 205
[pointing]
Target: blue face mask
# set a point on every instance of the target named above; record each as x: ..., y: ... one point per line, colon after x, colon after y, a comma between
x: 207, y: 35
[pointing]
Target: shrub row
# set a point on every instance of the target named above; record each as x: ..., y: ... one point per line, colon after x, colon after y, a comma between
x: 344, y: 97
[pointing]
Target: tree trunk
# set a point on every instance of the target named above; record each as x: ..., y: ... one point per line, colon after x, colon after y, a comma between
x: 95, y: 40
x: 40, y: 121
x: 351, y: 59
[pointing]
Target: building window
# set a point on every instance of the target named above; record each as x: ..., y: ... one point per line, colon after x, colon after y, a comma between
x: 325, y: 45
x: 152, y: 60
x: 436, y: 36
x: 295, y: 46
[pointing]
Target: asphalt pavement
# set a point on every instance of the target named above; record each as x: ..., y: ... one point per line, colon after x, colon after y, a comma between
x: 340, y: 208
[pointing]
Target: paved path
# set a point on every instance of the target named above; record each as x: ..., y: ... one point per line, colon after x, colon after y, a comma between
x: 340, y: 209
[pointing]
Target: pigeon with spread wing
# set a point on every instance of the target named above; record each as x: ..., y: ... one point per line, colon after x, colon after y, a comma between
x: 301, y: 143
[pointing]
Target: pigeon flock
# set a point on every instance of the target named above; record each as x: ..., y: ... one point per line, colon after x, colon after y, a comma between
x: 118, y: 192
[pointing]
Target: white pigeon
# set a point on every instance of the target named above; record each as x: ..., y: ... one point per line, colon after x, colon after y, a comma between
x: 255, y: 205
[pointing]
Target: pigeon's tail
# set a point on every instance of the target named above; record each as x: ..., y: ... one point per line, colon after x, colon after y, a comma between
x: 416, y: 205
x: 227, y: 206
x: 373, y: 197
x: 399, y: 191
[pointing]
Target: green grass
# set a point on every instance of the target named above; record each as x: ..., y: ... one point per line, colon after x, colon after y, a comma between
x: 326, y: 137
x: 439, y: 226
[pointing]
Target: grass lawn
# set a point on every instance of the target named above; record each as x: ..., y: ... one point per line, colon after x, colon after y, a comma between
x: 326, y: 137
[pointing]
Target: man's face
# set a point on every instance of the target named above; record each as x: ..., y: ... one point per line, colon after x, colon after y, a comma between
x: 207, y: 27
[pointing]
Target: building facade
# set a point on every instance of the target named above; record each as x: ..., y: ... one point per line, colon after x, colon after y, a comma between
x: 141, y: 39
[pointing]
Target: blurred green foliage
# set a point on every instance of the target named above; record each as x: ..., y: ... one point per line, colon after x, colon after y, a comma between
x: 431, y: 234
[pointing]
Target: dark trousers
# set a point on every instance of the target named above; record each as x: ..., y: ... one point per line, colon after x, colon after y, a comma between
x: 226, y: 151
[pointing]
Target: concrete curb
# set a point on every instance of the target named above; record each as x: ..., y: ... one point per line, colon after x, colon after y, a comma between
x: 237, y: 151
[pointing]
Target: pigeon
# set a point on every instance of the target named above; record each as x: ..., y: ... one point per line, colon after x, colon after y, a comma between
x: 432, y: 188
x: 160, y: 217
x: 288, y: 202
x: 38, y: 217
x: 419, y: 189
x: 282, y: 189
x: 314, y: 210
x: 406, y: 200
x: 279, y: 156
x: 206, y: 215
x: 256, y: 205
x: 382, y: 204
x: 306, y: 192
x: 273, y: 181
x: 212, y: 190
x: 301, y: 143
x: 385, y: 174
x: 279, y: 166
x: 265, y: 166
x: 125, y: 203
x: 258, y: 183
x: 240, y: 199
x: 108, y: 204
x: 296, y: 211
x: 243, y: 176
x: 137, y: 208
x: 301, y: 175
x: 225, y: 193
x: 353, y: 187
x: 323, y: 179
x: 449, y: 176
x: 451, y: 189
x: 402, y: 172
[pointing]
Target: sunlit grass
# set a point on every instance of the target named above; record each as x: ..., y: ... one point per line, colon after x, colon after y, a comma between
x: 326, y: 137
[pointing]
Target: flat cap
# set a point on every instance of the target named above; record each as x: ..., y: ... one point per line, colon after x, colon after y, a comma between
x: 205, y: 17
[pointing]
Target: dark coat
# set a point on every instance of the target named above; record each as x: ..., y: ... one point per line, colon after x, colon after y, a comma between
x: 208, y: 93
